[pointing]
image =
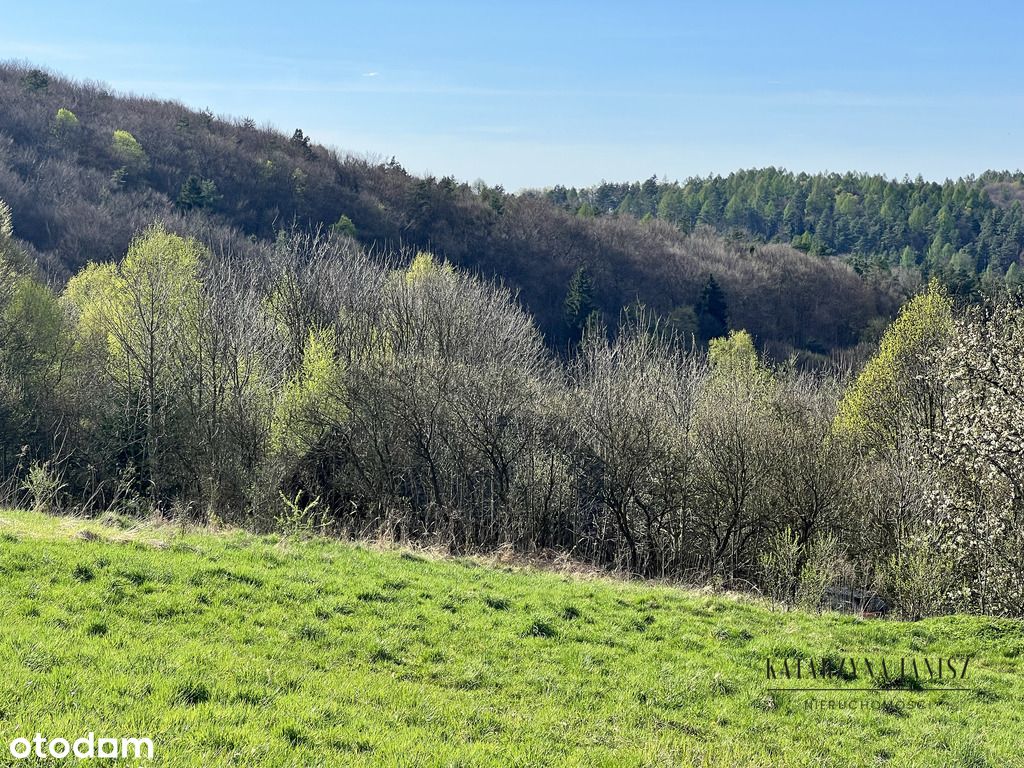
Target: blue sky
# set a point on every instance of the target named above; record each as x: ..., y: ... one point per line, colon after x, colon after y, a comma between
x: 539, y: 93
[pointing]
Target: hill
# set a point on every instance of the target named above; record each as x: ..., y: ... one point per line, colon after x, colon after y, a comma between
x: 968, y: 233
x: 227, y: 648
x: 84, y: 169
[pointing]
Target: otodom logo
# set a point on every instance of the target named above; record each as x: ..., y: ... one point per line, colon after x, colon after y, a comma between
x: 88, y: 747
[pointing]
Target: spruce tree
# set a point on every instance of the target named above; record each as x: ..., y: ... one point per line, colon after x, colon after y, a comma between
x: 712, y: 311
x: 579, y: 302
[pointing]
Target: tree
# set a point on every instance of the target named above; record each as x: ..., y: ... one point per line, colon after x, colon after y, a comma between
x: 895, y: 395
x: 311, y: 402
x: 993, y: 281
x: 579, y: 303
x: 1014, y: 278
x: 631, y: 409
x: 344, y: 227
x: 129, y: 153
x: 735, y: 439
x: 35, y: 81
x: 33, y: 350
x: 132, y: 321
x: 197, y: 193
x: 65, y: 124
x: 735, y: 358
x: 908, y: 258
x: 712, y: 310
x: 301, y: 142
x: 976, y: 503
x: 424, y: 269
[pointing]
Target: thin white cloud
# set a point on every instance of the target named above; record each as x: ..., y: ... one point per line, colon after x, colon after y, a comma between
x: 370, y: 74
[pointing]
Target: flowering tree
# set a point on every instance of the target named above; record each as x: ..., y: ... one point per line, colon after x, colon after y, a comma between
x: 977, y: 455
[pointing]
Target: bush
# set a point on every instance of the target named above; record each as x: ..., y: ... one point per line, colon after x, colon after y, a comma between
x: 45, y: 486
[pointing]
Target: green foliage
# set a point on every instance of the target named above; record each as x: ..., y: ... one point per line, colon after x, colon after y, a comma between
x: 424, y: 268
x: 735, y: 360
x: 127, y: 151
x: 1014, y: 278
x: 65, y: 123
x: 299, y: 179
x: 35, y: 81
x: 579, y: 302
x: 890, y: 395
x: 301, y: 142
x: 197, y: 193
x: 780, y: 566
x: 35, y: 333
x: 835, y: 213
x: 344, y: 226
x: 44, y: 485
x: 152, y: 289
x: 908, y: 259
x: 919, y: 577
x: 311, y: 401
x: 299, y: 520
x: 798, y: 573
x: 734, y: 355
x: 137, y: 331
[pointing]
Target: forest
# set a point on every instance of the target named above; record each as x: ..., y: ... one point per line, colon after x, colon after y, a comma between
x: 86, y: 169
x: 319, y: 388
x: 968, y: 233
x: 206, y: 321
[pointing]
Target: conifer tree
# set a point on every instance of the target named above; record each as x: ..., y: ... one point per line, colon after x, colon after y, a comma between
x: 712, y: 311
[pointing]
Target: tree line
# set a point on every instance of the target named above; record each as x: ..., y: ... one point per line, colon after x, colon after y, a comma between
x: 305, y: 384
x: 968, y: 233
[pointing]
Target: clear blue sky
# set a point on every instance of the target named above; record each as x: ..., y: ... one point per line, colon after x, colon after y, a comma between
x: 538, y: 93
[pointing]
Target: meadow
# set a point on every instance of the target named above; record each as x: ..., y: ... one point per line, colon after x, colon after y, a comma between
x: 233, y: 649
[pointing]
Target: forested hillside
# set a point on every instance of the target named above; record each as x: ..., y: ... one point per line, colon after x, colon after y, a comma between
x: 84, y: 169
x: 232, y: 365
x: 968, y: 233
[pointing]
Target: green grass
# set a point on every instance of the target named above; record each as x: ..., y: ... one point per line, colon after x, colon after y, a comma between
x: 235, y: 649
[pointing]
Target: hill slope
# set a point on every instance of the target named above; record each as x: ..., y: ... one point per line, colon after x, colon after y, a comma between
x: 85, y: 168
x: 957, y: 231
x: 232, y: 649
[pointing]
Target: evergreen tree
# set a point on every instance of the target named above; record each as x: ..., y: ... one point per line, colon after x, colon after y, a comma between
x: 1014, y: 278
x: 300, y: 141
x: 712, y: 311
x: 992, y: 280
x: 908, y: 259
x: 35, y: 81
x: 579, y: 303
x: 197, y: 193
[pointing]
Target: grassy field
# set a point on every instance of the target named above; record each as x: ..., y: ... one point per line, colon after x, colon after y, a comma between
x: 243, y: 650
